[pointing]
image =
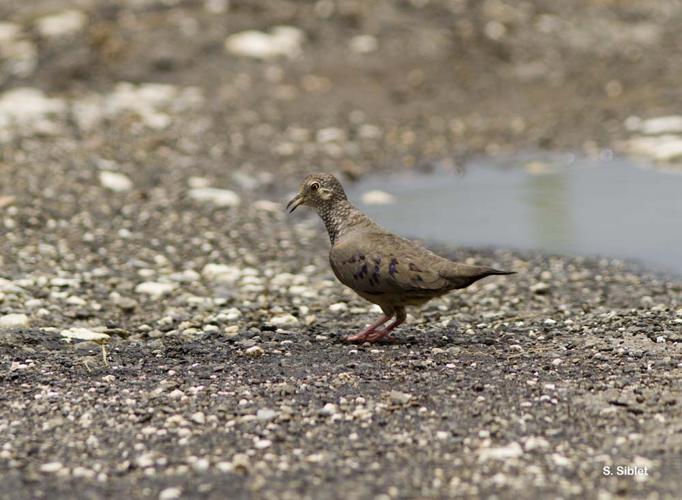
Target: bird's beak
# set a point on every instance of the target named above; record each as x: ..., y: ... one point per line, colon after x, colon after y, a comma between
x: 295, y: 202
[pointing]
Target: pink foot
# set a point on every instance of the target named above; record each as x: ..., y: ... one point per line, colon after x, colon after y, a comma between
x: 383, y: 334
x: 364, y: 334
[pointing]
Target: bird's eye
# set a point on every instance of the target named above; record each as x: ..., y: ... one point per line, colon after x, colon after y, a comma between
x: 315, y: 186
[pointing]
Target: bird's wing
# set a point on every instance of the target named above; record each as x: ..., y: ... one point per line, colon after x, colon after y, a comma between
x: 383, y: 263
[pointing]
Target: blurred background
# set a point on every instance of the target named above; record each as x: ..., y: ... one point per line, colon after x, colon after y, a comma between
x: 143, y: 101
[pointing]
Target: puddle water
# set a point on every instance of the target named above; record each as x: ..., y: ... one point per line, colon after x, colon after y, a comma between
x: 563, y: 204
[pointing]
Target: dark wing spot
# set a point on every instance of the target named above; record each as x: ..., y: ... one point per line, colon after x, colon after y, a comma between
x: 352, y: 260
x: 363, y: 271
x: 361, y: 256
x: 377, y: 260
x: 393, y: 266
x: 414, y: 267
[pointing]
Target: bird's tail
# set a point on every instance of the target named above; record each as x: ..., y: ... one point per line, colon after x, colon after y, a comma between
x: 495, y: 272
x: 463, y: 275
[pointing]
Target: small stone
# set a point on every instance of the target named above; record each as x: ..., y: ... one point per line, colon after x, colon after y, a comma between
x: 155, y: 290
x: 283, y: 320
x: 170, y: 493
x: 534, y: 443
x: 14, y: 321
x: 283, y: 41
x: 240, y: 461
x: 65, y: 23
x: 376, y: 197
x: 255, y: 351
x: 76, y: 301
x: 400, y: 397
x: 540, y: 288
x: 512, y: 450
x: 267, y: 206
x: 198, y: 418
x: 261, y: 444
x: 115, y: 181
x: 176, y: 394
x: 219, y: 197
x: 665, y: 147
x: 660, y: 339
x: 144, y: 461
x: 221, y: 273
x: 201, y: 464
x: 225, y: 467
x: 330, y: 134
x: 232, y: 314
x: 198, y: 182
x: 6, y: 201
x: 51, y: 467
x: 339, y: 307
x: 265, y: 414
x: 560, y: 460
x: 126, y: 304
x: 328, y: 409
x: 655, y: 126
x: 30, y: 110
x: 363, y: 44
x: 83, y: 334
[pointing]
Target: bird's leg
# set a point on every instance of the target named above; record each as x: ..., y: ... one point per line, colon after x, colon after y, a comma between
x: 378, y: 335
x: 361, y: 336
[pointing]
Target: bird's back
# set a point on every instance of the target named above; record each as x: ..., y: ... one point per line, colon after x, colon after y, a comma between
x: 376, y: 262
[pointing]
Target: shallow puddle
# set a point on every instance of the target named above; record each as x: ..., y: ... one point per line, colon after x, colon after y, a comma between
x: 562, y: 204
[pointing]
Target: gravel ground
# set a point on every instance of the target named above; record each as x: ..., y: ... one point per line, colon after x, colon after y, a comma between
x: 144, y: 165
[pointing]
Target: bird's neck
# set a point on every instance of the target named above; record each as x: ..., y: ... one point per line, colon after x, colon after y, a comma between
x: 339, y: 217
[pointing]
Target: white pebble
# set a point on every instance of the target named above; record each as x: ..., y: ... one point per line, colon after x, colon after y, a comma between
x: 512, y: 450
x: 376, y: 197
x: 665, y: 147
x: 83, y: 334
x: 363, y: 44
x: 198, y: 418
x: 154, y: 289
x: 221, y: 273
x: 261, y: 444
x: 284, y: 320
x: 265, y: 414
x: 281, y: 41
x: 328, y: 409
x: 220, y: 197
x: 51, y: 467
x: 255, y: 352
x: 232, y: 314
x: 65, y: 23
x: 176, y: 394
x: 115, y: 181
x: 14, y: 321
x: 654, y: 126
x: 170, y: 493
x: 338, y: 307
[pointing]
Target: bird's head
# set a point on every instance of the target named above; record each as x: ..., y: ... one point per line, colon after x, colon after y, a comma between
x: 318, y: 191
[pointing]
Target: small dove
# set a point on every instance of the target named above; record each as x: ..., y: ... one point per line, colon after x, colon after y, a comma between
x: 381, y: 267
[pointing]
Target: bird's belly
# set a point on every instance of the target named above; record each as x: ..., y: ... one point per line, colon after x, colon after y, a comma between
x: 401, y: 299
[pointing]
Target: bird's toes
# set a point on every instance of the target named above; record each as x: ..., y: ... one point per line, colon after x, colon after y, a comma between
x: 360, y: 337
x: 380, y: 336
